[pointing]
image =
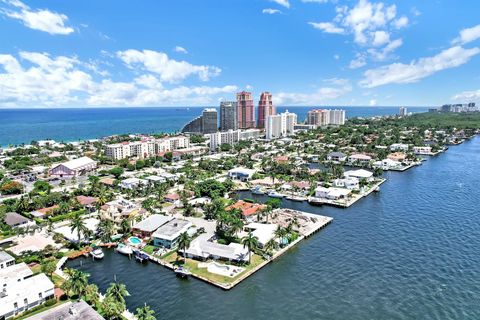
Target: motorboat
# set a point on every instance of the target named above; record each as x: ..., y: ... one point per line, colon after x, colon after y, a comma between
x: 315, y: 201
x: 257, y: 190
x: 182, y: 272
x: 140, y: 256
x: 124, y: 249
x: 296, y: 198
x: 274, y: 194
x: 97, y: 253
x: 377, y: 189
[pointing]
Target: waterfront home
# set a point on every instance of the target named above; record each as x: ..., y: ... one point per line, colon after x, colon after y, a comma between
x: 332, y: 193
x: 41, y: 213
x: 387, y: 164
x: 247, y: 208
x: 359, y: 174
x: 336, y: 156
x: 302, y: 185
x: 168, y: 234
x: 71, y: 310
x: 72, y: 236
x: 399, y: 147
x: 202, y: 248
x: 263, y: 231
x: 15, y: 220
x: 132, y: 183
x: 32, y: 243
x: 73, y: 168
x: 422, y: 150
x: 359, y: 159
x: 397, y: 156
x: 25, y: 295
x: 242, y: 174
x: 120, y: 209
x: 351, y: 183
x: 6, y: 260
x: 147, y: 226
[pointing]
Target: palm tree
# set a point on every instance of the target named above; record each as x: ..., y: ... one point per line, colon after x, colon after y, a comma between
x: 112, y: 308
x: 145, y: 313
x: 91, y: 294
x: 79, y: 225
x: 184, y: 243
x: 250, y: 241
x: 270, y: 245
x: 280, y: 233
x: 76, y: 283
x: 118, y: 291
x: 125, y: 226
x: 106, y: 229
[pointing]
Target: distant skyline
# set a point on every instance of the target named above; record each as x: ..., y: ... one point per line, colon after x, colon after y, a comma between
x: 196, y: 53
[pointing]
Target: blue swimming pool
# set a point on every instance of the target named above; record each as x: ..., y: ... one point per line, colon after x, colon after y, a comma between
x: 134, y: 241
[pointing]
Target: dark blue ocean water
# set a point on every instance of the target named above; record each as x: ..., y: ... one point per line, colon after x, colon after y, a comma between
x: 411, y: 251
x: 24, y: 125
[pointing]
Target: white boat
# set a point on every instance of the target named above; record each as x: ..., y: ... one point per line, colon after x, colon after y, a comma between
x: 124, y: 249
x: 97, y: 253
x: 377, y: 189
x: 296, y: 198
x: 257, y: 190
x: 274, y: 194
x: 182, y: 272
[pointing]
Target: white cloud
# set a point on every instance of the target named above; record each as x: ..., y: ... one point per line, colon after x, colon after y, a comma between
x: 38, y: 79
x: 468, y: 35
x: 168, y: 69
x: 380, y: 38
x: 283, y: 3
x: 327, y: 27
x: 271, y: 11
x: 338, y: 88
x: 359, y: 61
x: 43, y: 20
x: 373, y: 102
x: 401, y: 22
x: 416, y: 70
x: 180, y: 49
x: 314, y: 1
x: 384, y: 53
x: 468, y: 96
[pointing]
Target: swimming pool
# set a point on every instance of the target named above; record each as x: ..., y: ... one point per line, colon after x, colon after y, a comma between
x: 134, y: 241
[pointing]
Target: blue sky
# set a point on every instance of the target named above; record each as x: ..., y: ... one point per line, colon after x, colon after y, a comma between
x: 196, y: 52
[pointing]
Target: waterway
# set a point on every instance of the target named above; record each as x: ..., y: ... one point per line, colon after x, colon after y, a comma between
x: 410, y: 251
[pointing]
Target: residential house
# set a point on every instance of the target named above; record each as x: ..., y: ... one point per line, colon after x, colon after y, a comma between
x: 147, y: 226
x: 242, y: 174
x: 336, y: 156
x: 6, y: 260
x: 168, y: 234
x: 263, y: 231
x: 202, y: 248
x: 359, y: 174
x: 359, y: 159
x: 399, y: 147
x: 351, y: 183
x: 332, y: 193
x: 16, y: 220
x: 132, y: 183
x: 247, y: 208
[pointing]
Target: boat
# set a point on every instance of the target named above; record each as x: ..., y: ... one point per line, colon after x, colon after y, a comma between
x: 274, y: 194
x: 140, y: 256
x: 377, y: 189
x: 182, y: 272
x: 315, y: 201
x: 257, y: 190
x: 296, y: 198
x: 124, y: 249
x: 97, y: 253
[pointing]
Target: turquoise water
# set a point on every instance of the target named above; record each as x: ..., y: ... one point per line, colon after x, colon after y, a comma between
x: 24, y: 125
x: 410, y: 251
x: 134, y: 240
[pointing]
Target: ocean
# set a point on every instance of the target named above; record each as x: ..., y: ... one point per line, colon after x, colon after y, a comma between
x: 19, y: 126
x: 410, y: 251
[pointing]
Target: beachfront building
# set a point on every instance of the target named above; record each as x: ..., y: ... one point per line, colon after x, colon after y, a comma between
x: 203, y: 124
x: 15, y: 220
x: 242, y: 174
x: 149, y: 225
x: 245, y: 110
x: 228, y: 116
x: 402, y: 112
x: 73, y: 168
x: 388, y: 164
x: 145, y: 148
x: 359, y: 159
x: 203, y: 248
x: 324, y: 117
x: 337, y: 117
x: 280, y: 125
x: 6, y: 260
x: 168, y: 234
x: 229, y: 137
x: 265, y: 108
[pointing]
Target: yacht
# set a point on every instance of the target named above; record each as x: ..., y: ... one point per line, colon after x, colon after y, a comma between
x: 97, y: 253
x: 140, y: 256
x: 257, y: 190
x: 124, y: 249
x: 182, y: 272
x: 274, y: 194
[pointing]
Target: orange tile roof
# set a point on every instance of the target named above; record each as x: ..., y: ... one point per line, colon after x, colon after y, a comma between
x: 247, y: 208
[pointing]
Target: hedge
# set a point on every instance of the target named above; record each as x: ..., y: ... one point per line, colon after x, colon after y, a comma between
x: 66, y: 216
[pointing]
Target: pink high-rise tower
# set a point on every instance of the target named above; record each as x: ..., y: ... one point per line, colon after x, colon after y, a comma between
x: 245, y: 110
x: 265, y: 108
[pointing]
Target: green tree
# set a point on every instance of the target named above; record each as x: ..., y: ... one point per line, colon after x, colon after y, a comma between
x: 106, y: 229
x: 76, y: 283
x: 111, y: 308
x: 145, y: 313
x: 48, y: 267
x: 251, y: 242
x: 91, y: 294
x: 78, y: 225
x: 118, y: 291
x: 183, y: 244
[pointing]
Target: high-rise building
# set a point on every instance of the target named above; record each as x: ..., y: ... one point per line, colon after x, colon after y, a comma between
x: 280, y: 125
x: 323, y: 117
x: 265, y: 108
x: 229, y: 137
x: 402, y: 112
x: 209, y: 120
x: 245, y: 110
x: 228, y: 116
x: 206, y: 123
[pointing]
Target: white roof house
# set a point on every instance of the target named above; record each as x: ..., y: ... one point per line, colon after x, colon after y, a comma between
x: 73, y: 168
x: 14, y: 274
x: 168, y: 234
x: 201, y: 248
x: 151, y: 223
x: 241, y: 173
x: 264, y: 232
x: 72, y: 236
x: 6, y: 260
x: 360, y: 173
x: 332, y: 193
x: 132, y: 183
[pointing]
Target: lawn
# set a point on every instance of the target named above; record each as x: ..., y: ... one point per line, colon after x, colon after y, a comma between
x: 192, y: 265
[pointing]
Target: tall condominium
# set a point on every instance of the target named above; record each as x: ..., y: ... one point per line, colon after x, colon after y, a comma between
x: 265, y: 108
x: 323, y: 117
x: 402, y: 112
x: 245, y: 110
x: 280, y: 125
x: 206, y: 123
x: 145, y: 148
x: 228, y: 116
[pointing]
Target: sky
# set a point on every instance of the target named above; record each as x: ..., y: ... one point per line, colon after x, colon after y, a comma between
x: 74, y: 53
